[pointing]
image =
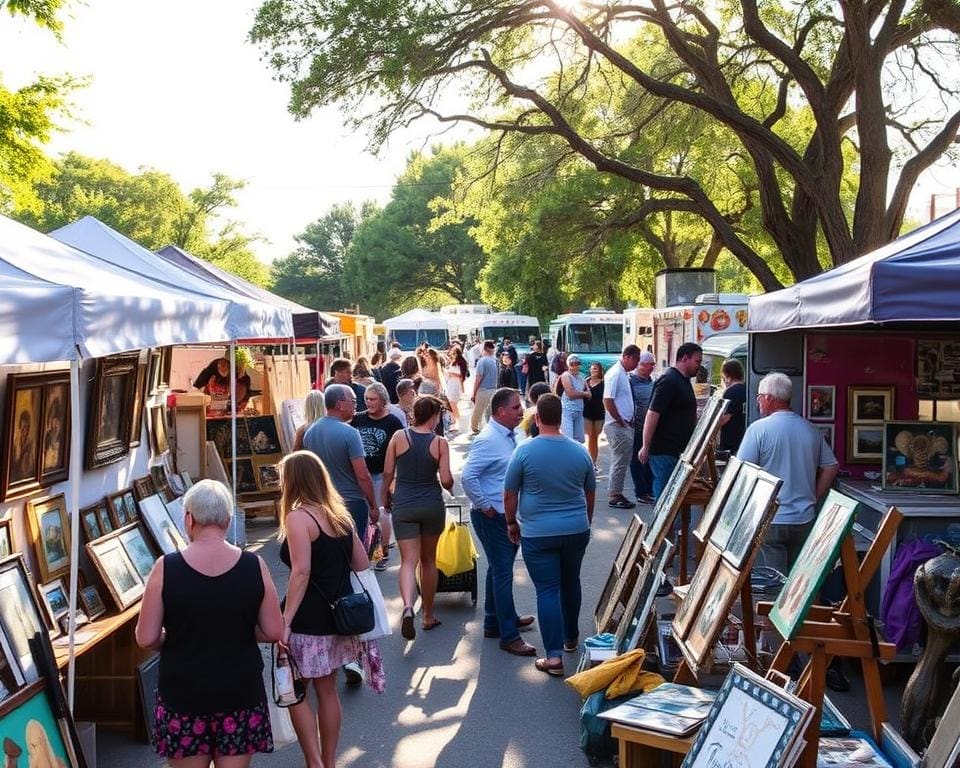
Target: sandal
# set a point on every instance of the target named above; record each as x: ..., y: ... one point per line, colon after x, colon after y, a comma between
x: 431, y: 625
x: 554, y: 670
x: 407, y: 630
x: 570, y: 646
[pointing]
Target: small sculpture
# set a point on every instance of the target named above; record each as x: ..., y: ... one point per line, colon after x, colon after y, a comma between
x: 936, y: 586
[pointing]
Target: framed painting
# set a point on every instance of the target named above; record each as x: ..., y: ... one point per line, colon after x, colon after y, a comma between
x: 710, y: 512
x: 158, y: 429
x: 753, y: 520
x: 667, y: 506
x: 814, y: 563
x: 143, y: 487
x: 53, y: 598
x: 827, y: 433
x: 175, y: 513
x: 20, y: 613
x: 246, y: 478
x: 627, y: 552
x: 267, y: 473
x: 91, y: 601
x: 165, y: 533
x: 865, y: 444
x: 640, y: 611
x: 702, y: 636
x: 869, y: 405
x: 112, y: 396
x: 11, y: 676
x: 220, y: 431
x: 30, y: 728
x: 49, y: 529
x: 920, y: 456
x: 130, y: 503
x: 38, y: 432
x: 90, y: 523
x: 619, y: 588
x: 139, y: 394
x: 695, y: 592
x: 6, y: 538
x: 264, y: 435
x: 821, y: 402
x: 733, y: 505
x: 118, y: 510
x: 119, y: 574
x: 705, y: 431
x: 137, y: 549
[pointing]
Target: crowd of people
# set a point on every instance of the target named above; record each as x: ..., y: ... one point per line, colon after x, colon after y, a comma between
x: 368, y: 474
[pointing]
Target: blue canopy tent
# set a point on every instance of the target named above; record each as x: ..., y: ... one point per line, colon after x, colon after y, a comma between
x: 913, y: 279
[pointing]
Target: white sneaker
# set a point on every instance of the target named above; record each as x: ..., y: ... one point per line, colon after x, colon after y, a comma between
x: 353, y: 673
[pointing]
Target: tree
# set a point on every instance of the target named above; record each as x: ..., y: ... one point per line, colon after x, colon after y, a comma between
x: 875, y: 75
x: 313, y: 274
x: 405, y: 255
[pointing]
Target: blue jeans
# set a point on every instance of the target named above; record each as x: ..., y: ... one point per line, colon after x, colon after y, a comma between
x: 553, y: 563
x: 571, y: 425
x: 521, y: 379
x: 499, y: 611
x: 662, y: 466
x: 640, y: 473
x: 360, y: 512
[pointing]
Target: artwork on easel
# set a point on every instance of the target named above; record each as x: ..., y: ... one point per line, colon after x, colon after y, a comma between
x: 640, y: 608
x: 705, y: 432
x: 814, y: 563
x: 695, y: 591
x: 667, y: 507
x: 711, y: 511
x: 631, y: 539
x: 612, y: 605
x: 733, y: 505
x: 750, y: 525
x: 721, y: 593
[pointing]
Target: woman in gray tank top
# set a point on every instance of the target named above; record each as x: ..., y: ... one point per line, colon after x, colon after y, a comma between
x: 420, y: 461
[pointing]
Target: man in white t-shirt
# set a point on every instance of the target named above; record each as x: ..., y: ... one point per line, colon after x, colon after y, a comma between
x: 786, y: 445
x: 618, y: 422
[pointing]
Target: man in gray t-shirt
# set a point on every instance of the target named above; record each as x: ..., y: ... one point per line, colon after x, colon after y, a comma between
x: 786, y: 445
x: 341, y: 450
x: 484, y: 385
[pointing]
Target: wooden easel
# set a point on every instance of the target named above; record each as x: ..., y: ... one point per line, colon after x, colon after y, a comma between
x: 847, y: 632
x: 698, y: 494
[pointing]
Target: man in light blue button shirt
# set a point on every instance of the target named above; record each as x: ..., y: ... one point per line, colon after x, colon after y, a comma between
x: 482, y: 480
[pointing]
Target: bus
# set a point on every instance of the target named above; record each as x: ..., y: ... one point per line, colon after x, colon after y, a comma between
x: 594, y: 335
x: 520, y: 328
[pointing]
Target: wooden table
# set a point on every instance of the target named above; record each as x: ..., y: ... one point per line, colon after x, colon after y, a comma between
x: 643, y: 749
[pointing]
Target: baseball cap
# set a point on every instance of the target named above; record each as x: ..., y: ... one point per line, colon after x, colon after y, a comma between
x: 394, y: 354
x: 647, y: 357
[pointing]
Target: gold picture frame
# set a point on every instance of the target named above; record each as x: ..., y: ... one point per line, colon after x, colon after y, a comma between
x: 49, y: 527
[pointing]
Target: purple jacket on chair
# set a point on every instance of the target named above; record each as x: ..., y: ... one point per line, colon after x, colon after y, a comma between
x: 902, y: 622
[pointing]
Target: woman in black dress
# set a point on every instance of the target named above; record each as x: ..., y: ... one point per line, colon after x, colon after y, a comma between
x: 593, y: 414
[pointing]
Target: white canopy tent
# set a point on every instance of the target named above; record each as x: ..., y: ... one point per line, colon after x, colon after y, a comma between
x: 418, y: 325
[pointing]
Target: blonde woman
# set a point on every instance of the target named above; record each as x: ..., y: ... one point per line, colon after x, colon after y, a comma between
x: 40, y: 752
x: 320, y: 546
x: 431, y: 373
x: 313, y: 410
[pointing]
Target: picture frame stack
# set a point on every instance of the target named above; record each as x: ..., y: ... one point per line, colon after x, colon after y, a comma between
x: 259, y: 450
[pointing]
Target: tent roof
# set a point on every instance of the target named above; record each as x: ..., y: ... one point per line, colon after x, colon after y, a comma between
x: 59, y: 300
x: 417, y: 318
x: 307, y: 323
x: 915, y: 278
x: 247, y: 318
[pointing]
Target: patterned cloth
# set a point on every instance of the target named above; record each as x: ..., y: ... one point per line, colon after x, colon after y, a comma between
x: 242, y: 732
x: 321, y: 655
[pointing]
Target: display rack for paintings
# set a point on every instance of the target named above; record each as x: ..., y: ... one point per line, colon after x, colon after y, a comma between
x: 825, y: 632
x: 732, y: 537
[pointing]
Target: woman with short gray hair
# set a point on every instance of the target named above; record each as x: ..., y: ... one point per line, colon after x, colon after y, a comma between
x: 205, y: 609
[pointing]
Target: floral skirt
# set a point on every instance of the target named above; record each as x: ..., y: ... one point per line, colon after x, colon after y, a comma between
x: 321, y: 655
x: 241, y: 732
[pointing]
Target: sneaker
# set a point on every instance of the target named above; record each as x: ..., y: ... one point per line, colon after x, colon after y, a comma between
x: 353, y: 674
x: 620, y: 502
x: 381, y: 565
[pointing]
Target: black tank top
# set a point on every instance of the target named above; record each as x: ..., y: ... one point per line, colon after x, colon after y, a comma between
x: 329, y: 579
x: 210, y: 662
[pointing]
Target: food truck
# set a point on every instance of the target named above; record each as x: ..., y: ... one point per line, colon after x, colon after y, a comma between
x: 595, y: 335
x: 710, y: 314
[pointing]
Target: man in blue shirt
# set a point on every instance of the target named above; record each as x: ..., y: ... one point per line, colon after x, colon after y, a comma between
x: 484, y: 385
x: 482, y: 481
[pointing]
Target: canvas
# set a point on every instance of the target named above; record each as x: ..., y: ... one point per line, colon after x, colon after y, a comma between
x: 752, y: 723
x: 166, y: 535
x: 687, y: 611
x: 920, y: 456
x: 117, y: 571
x: 753, y: 520
x: 821, y: 401
x: 667, y: 506
x: 53, y: 597
x: 705, y: 431
x: 705, y: 629
x: 137, y: 550
x: 50, y: 531
x: 29, y: 724
x: 814, y: 563
x: 91, y: 601
x: 710, y: 512
x: 111, y: 402
x: 733, y: 505
x: 19, y: 613
x: 264, y: 436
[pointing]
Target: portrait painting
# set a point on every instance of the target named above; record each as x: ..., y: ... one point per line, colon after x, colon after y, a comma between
x: 920, y: 456
x: 111, y: 398
x: 137, y: 550
x: 753, y: 519
x: 50, y: 531
x: 19, y: 612
x: 268, y: 477
x: 6, y: 538
x: 710, y: 512
x: 55, y: 440
x: 869, y: 405
x: 720, y: 595
x: 667, y: 506
x: 116, y: 569
x: 118, y: 510
x: 820, y: 402
x: 220, y: 431
x: 263, y: 435
x: 165, y: 533
x: 90, y: 523
x: 91, y: 601
x: 814, y: 563
x: 53, y: 597
x: 733, y: 505
x: 30, y: 729
x: 26, y: 425
x: 695, y: 592
x: 246, y: 479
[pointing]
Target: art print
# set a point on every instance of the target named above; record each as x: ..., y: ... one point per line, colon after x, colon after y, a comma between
x: 19, y: 613
x: 753, y: 520
x: 710, y: 512
x: 90, y: 523
x: 130, y: 503
x: 698, y: 587
x: 137, y: 550
x: 268, y: 477
x: 30, y: 729
x: 53, y: 597
x: 6, y: 538
x: 117, y: 571
x: 143, y: 487
x: 118, y: 510
x: 639, y: 610
x: 108, y: 425
x: 668, y: 505
x: 165, y: 533
x: 733, y: 505
x: 705, y: 431
x: 721, y: 592
x: 814, y: 563
x: 821, y: 402
x: 91, y: 601
x: 920, y: 457
x: 264, y: 437
x: 55, y: 436
x: 246, y: 479
x: 870, y: 405
x: 50, y: 531
x: 220, y: 431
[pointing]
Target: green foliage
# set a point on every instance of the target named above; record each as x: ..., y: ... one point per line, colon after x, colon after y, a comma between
x: 43, y: 12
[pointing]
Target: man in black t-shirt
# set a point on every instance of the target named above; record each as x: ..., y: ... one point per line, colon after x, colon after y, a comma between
x: 390, y: 373
x: 537, y: 365
x: 734, y: 420
x: 671, y: 417
x: 341, y: 371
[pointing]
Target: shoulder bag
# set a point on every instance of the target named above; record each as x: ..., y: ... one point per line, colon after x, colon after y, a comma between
x: 353, y: 614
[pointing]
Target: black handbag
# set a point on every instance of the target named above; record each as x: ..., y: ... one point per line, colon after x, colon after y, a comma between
x: 353, y: 614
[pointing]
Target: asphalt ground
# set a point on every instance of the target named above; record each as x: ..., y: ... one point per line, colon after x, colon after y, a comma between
x: 453, y: 698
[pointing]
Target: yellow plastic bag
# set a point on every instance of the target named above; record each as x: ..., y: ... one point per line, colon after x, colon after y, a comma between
x: 456, y: 552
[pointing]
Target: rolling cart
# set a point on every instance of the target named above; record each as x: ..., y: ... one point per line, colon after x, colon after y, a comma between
x: 460, y: 582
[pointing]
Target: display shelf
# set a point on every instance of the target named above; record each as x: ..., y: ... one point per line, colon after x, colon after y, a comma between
x: 104, y: 627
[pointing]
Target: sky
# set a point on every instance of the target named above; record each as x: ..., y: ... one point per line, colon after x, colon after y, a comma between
x: 176, y: 86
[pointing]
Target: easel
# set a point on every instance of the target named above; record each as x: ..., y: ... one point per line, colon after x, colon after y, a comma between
x: 697, y: 495
x: 847, y: 632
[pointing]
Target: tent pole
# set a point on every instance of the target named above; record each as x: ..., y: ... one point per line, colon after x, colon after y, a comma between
x: 73, y: 508
x: 316, y: 369
x: 233, y: 438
